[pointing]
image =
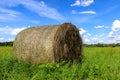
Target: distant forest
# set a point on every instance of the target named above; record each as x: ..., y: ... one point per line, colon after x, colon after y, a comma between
x: 6, y: 43
x: 85, y: 45
x: 102, y: 45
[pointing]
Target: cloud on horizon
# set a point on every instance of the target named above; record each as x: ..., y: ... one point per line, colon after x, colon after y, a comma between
x: 10, y: 31
x: 116, y: 25
x: 115, y: 30
x: 113, y: 36
x: 82, y: 31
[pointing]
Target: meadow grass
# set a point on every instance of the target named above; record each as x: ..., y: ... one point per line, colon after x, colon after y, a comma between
x: 97, y: 64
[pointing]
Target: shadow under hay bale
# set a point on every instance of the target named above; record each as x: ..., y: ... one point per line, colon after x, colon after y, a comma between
x: 48, y: 44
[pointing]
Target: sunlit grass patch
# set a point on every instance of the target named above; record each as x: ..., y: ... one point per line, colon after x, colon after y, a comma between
x: 97, y: 64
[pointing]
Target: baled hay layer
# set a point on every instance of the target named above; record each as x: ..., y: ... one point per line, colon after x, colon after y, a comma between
x: 48, y: 44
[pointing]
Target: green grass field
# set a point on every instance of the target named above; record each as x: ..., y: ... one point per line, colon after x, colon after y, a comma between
x: 97, y: 64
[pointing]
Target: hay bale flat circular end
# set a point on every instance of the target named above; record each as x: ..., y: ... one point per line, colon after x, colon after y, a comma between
x: 48, y: 44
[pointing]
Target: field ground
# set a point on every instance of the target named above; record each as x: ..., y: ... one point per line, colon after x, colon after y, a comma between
x: 97, y: 64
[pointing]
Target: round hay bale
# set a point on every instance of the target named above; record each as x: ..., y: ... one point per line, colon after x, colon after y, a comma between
x: 51, y: 43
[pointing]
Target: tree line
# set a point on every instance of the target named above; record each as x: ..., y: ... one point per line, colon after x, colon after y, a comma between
x: 85, y: 45
x: 102, y: 45
x: 6, y: 43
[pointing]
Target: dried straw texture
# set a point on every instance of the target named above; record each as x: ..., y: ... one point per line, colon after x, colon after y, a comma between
x: 48, y: 44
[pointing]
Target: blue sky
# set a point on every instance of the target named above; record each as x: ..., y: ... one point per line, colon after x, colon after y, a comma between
x: 98, y: 20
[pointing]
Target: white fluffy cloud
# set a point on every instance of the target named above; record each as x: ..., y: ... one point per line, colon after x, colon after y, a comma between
x: 111, y: 37
x: 10, y: 39
x: 77, y: 3
x: 116, y: 25
x: 114, y: 34
x: 100, y: 27
x: 95, y: 40
x: 1, y: 39
x: 85, y: 35
x: 42, y: 9
x: 5, y: 30
x: 117, y: 38
x: 17, y: 30
x: 82, y: 31
x: 83, y: 12
x: 8, y: 11
x: 88, y: 34
x: 8, y: 15
x: 88, y: 12
x: 10, y: 30
x: 8, y: 33
x: 9, y: 3
x: 38, y: 7
x: 86, y: 40
x: 111, y: 34
x: 114, y: 37
x: 83, y: 3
